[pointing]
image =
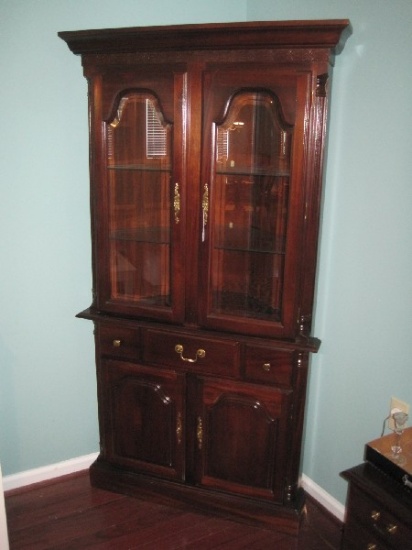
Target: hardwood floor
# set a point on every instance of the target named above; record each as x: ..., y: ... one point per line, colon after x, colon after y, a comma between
x: 69, y: 514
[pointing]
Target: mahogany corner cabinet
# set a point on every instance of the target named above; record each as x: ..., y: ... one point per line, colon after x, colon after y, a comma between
x: 206, y: 152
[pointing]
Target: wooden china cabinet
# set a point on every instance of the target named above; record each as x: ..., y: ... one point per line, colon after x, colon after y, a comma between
x: 206, y: 150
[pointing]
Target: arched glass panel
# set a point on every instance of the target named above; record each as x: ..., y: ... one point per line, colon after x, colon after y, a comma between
x: 139, y: 162
x: 251, y: 190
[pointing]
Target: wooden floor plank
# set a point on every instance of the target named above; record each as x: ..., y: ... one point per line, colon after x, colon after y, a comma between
x: 69, y: 514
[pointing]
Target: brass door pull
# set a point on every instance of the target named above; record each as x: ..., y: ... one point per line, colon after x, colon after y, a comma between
x: 200, y: 354
x: 117, y: 343
x: 199, y: 433
x: 176, y: 203
x: 205, y: 210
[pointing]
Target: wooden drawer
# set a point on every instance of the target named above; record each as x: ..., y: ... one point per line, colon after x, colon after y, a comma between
x: 378, y: 521
x: 191, y: 353
x: 269, y: 366
x: 356, y: 537
x: 118, y: 341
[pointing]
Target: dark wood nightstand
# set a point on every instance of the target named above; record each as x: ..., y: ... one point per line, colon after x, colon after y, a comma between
x: 378, y: 511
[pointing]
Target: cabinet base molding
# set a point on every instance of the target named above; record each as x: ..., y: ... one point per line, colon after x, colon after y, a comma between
x: 272, y: 516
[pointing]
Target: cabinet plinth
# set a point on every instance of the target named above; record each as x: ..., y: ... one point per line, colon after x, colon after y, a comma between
x: 206, y: 149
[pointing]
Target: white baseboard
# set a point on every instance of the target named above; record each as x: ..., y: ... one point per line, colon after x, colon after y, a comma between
x: 15, y: 481
x: 325, y: 499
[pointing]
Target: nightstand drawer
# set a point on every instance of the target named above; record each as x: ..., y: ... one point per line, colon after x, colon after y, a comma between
x: 378, y: 520
x: 356, y: 537
x: 194, y: 354
x: 118, y: 341
x: 268, y: 365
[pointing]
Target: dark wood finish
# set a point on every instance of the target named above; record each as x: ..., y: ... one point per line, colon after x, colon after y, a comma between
x: 330, y: 34
x: 68, y: 513
x: 378, y: 512
x: 204, y: 256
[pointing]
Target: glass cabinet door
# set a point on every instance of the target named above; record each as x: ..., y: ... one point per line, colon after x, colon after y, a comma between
x: 250, y: 208
x: 249, y: 265
x: 140, y: 195
x: 139, y: 164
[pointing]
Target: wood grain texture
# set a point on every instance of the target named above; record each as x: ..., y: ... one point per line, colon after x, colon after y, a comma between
x: 68, y: 514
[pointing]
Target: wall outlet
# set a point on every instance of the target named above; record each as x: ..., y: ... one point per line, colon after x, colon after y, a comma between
x: 396, y: 406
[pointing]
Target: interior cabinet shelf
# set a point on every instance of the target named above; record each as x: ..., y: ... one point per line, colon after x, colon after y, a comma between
x: 252, y: 172
x: 145, y: 235
x: 206, y: 146
x: 139, y: 168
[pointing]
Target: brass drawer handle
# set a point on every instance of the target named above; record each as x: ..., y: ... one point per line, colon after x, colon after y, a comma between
x: 375, y: 515
x: 371, y: 546
x: 391, y: 529
x: 117, y: 343
x: 200, y: 354
x: 266, y: 367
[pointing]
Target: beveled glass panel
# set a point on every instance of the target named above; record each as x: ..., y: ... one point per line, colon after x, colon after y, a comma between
x: 251, y: 183
x: 139, y: 152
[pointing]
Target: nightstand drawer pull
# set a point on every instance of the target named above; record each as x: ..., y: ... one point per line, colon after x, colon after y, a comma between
x: 375, y: 515
x: 117, y: 343
x: 200, y: 354
x: 266, y: 367
x: 391, y: 529
x: 371, y: 546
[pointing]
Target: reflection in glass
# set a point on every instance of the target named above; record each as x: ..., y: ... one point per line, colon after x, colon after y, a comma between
x: 139, y: 171
x: 251, y: 183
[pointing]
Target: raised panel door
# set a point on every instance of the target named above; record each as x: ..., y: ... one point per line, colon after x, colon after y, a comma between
x: 241, y: 438
x: 144, y: 418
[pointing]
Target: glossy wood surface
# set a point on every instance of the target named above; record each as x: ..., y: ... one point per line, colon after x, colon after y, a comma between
x: 379, y: 511
x: 204, y: 257
x: 331, y: 34
x: 70, y: 514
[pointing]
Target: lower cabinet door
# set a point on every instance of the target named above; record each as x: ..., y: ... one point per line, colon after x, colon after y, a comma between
x: 241, y: 438
x: 143, y: 418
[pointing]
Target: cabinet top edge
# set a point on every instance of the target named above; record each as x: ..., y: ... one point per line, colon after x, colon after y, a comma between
x: 330, y: 34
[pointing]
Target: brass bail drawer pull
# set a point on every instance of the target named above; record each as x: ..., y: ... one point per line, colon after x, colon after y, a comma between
x: 200, y: 354
x: 117, y: 343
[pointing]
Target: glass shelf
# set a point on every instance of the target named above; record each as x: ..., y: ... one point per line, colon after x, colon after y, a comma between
x: 249, y: 250
x: 139, y: 167
x: 154, y: 235
x: 245, y: 305
x: 245, y: 171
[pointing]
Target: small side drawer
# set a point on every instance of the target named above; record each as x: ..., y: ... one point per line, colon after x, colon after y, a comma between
x: 118, y: 341
x: 191, y: 353
x: 378, y: 520
x: 268, y: 365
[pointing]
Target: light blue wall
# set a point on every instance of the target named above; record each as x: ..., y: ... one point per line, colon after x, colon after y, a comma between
x: 48, y: 409
x: 364, y: 308
x: 364, y: 311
